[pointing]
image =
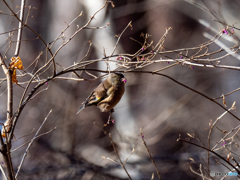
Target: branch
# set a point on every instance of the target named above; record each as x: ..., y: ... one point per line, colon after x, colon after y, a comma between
x: 19, y: 28
x: 33, y: 139
x: 33, y: 32
x: 158, y: 173
x: 8, y: 123
x: 115, y: 150
x: 211, y: 128
x: 25, y: 154
x: 211, y: 152
x: 4, y: 175
x: 22, y: 101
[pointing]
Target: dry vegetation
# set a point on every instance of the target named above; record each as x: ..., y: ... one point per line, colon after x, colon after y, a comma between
x: 178, y: 118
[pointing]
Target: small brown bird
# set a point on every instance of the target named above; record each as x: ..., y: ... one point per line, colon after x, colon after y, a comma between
x: 107, y: 94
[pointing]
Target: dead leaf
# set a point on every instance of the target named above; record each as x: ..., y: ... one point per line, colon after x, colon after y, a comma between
x: 14, y: 76
x: 228, y: 156
x: 224, y: 102
x: 16, y: 63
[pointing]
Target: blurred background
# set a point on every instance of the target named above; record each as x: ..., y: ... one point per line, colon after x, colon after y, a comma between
x: 162, y: 108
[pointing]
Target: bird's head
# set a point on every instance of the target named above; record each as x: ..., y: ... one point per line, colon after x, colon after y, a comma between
x: 117, y: 78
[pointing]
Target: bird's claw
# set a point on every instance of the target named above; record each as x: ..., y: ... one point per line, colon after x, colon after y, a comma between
x: 109, y: 118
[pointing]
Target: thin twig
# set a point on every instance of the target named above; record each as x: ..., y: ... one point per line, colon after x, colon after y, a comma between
x: 25, y: 154
x: 166, y: 67
x: 110, y: 159
x: 198, y: 173
x: 33, y: 139
x: 227, y: 94
x: 38, y: 93
x: 211, y: 128
x: 129, y: 24
x: 129, y: 156
x: 144, y: 142
x: 3, y: 92
x: 52, y: 60
x: 22, y: 101
x: 238, y: 127
x: 211, y: 152
x: 25, y: 135
x: 61, y: 33
x: 37, y: 58
x: 115, y: 150
x: 200, y: 168
x: 69, y: 78
x: 4, y: 174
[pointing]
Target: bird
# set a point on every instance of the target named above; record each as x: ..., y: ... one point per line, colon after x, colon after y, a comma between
x: 107, y: 94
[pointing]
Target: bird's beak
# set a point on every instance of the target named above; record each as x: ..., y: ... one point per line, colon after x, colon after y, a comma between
x: 124, y: 80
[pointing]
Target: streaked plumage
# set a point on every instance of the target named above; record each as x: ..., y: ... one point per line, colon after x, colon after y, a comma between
x: 107, y: 94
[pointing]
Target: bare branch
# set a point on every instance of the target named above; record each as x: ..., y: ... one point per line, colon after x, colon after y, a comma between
x: 8, y: 123
x: 211, y: 152
x: 115, y: 150
x: 19, y: 28
x: 33, y: 139
x: 212, y: 126
x: 25, y: 154
x: 144, y: 142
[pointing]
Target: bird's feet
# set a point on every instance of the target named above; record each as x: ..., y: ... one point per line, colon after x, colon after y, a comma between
x: 109, y: 118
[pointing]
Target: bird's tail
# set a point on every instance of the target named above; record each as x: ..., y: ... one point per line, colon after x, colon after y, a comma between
x: 81, y: 108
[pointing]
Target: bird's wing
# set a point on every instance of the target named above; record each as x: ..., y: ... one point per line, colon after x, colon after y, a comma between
x: 109, y: 95
x: 96, y: 96
x: 90, y: 101
x: 81, y: 108
x: 114, y: 95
